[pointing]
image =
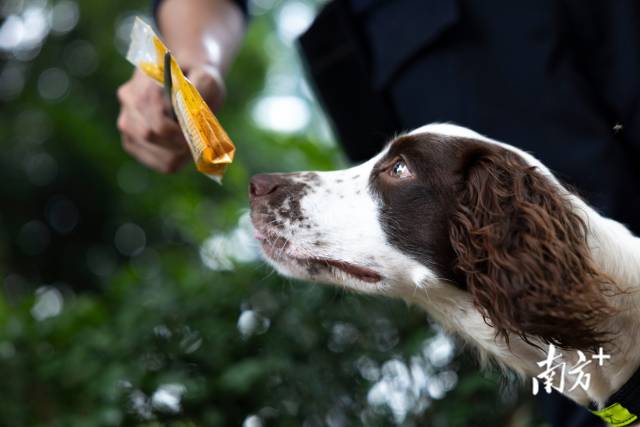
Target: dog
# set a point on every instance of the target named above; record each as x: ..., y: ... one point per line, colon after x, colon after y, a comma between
x: 479, y: 234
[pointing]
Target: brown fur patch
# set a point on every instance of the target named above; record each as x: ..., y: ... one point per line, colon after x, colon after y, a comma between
x: 522, y: 251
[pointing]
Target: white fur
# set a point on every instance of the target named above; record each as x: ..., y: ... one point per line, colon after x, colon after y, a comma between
x: 344, y: 216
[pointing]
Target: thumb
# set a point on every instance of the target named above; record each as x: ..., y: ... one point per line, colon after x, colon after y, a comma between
x: 209, y: 82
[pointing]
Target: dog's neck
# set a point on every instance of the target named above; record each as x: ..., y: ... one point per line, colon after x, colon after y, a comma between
x: 616, y: 252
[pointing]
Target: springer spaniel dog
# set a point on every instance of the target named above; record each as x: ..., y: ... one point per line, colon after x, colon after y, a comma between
x: 478, y: 233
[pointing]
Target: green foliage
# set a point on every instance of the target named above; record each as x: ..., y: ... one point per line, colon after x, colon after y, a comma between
x: 131, y: 323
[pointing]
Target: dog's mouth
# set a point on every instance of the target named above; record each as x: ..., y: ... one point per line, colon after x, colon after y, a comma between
x: 278, y: 249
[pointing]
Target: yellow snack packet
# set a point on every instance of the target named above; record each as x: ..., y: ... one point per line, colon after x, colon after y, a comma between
x: 210, y: 145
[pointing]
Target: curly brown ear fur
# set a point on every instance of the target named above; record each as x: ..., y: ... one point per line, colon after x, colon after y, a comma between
x: 523, y: 253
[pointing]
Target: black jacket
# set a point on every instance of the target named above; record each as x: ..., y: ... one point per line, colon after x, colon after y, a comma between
x: 560, y: 79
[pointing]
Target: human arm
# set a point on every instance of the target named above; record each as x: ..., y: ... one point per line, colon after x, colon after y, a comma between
x: 203, y: 36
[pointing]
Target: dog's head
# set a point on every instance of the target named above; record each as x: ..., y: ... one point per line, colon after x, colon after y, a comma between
x: 442, y: 206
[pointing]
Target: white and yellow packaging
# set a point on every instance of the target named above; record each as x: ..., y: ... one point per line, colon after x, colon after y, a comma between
x: 210, y: 145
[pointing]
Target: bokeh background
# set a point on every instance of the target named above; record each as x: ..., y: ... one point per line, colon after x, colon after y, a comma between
x: 136, y: 299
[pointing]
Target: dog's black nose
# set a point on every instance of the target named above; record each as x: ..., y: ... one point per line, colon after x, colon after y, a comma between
x: 264, y: 184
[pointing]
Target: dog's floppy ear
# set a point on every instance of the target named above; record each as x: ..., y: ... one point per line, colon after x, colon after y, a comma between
x: 522, y: 252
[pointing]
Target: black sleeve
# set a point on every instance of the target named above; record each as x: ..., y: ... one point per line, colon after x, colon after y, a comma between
x: 242, y: 4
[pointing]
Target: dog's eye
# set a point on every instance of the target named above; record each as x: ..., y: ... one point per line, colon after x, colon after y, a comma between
x: 400, y: 170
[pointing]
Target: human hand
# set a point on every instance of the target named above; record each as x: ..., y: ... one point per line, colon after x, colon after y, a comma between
x: 149, y: 133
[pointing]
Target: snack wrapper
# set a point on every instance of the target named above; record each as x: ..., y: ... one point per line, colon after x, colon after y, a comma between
x: 210, y: 145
